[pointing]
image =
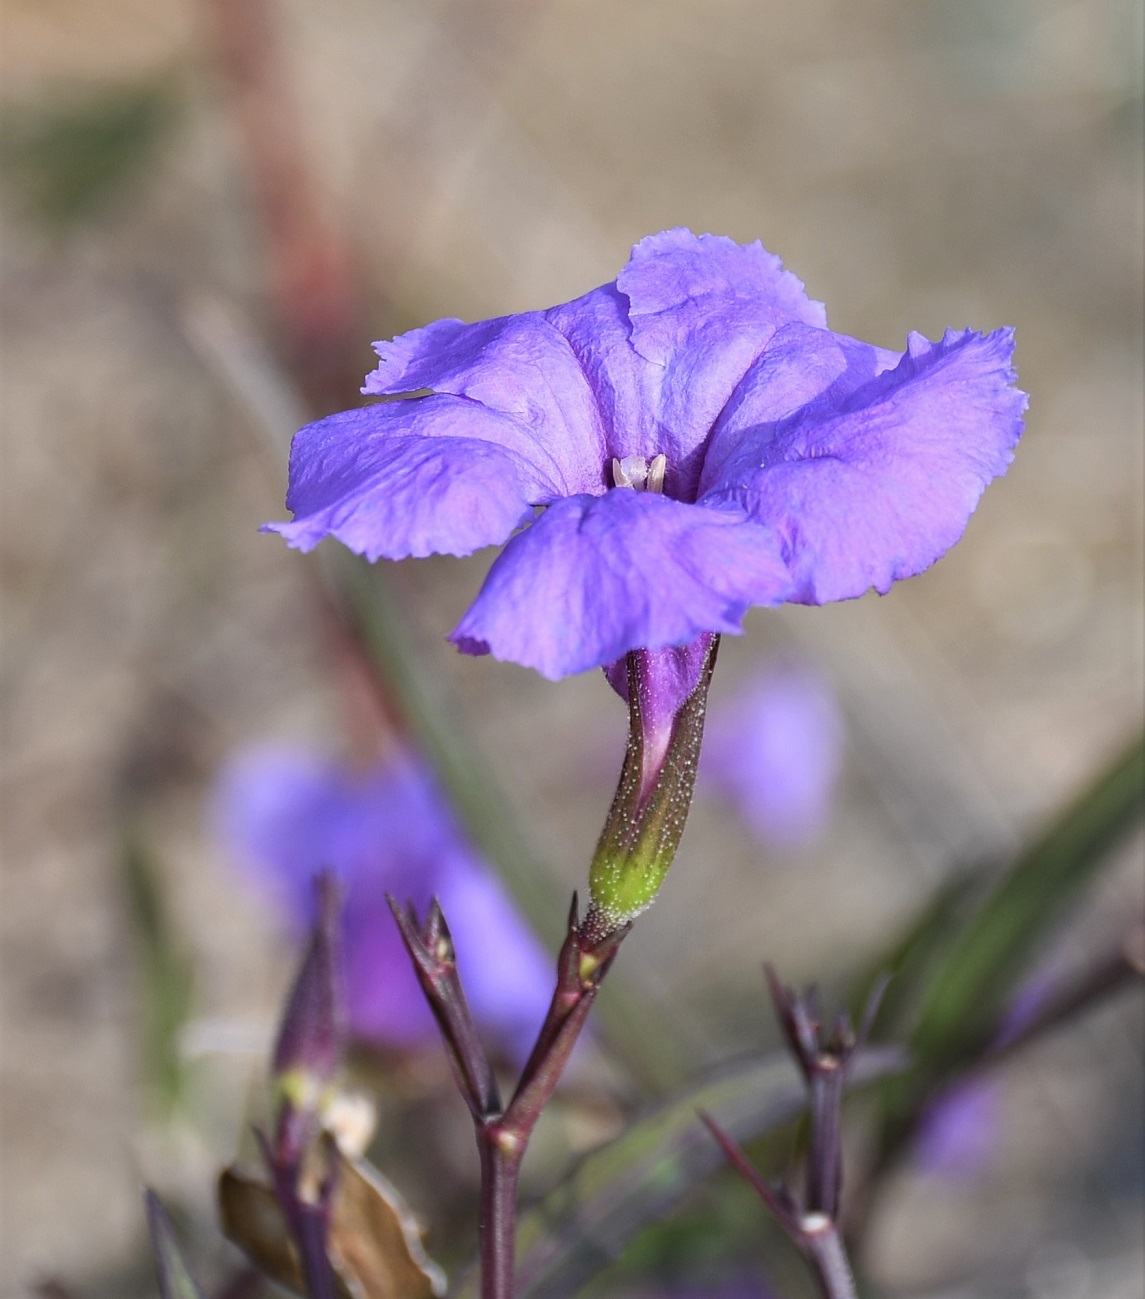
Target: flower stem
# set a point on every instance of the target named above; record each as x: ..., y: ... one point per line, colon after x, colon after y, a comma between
x: 824, y: 1156
x: 503, y: 1135
x: 500, y: 1169
x: 824, y: 1247
x: 824, y: 1055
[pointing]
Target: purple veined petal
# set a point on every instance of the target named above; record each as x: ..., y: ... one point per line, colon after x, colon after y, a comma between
x: 702, y: 307
x: 676, y: 282
x: 595, y: 577
x: 775, y: 751
x: 507, y: 974
x: 802, y: 369
x: 625, y: 384
x: 882, y: 485
x: 668, y: 676
x: 429, y: 475
x: 519, y: 366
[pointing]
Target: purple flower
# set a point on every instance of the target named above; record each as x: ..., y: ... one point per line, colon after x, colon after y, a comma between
x: 288, y: 814
x: 775, y: 751
x: 659, y: 455
x: 959, y: 1130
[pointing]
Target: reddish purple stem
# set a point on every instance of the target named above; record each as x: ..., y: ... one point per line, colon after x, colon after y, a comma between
x: 503, y: 1134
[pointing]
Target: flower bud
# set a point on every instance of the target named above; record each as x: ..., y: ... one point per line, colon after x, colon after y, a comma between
x: 308, y: 1052
x: 667, y: 693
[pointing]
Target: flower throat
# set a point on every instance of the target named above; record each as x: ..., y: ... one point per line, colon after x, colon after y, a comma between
x: 640, y: 474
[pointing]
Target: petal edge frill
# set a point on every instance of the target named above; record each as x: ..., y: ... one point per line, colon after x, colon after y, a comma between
x: 881, y: 485
x: 677, y: 283
x: 596, y: 576
x: 701, y: 309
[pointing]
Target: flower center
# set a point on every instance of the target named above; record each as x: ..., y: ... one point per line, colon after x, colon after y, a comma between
x: 639, y: 473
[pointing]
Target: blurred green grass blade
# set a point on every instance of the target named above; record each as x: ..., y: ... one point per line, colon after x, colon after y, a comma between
x: 910, y: 956
x: 982, y: 968
x: 166, y: 976
x: 175, y: 1280
x: 642, y: 1037
x: 71, y: 160
x: 614, y: 1193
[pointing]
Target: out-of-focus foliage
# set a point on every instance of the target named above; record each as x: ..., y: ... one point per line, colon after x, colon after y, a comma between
x: 980, y: 972
x: 166, y: 984
x: 73, y: 159
x: 175, y: 1279
x: 958, y: 966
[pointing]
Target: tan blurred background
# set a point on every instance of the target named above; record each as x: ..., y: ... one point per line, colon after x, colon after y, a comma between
x: 919, y: 165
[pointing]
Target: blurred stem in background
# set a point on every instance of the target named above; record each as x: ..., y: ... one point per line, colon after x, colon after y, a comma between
x: 310, y: 276
x: 317, y: 317
x: 824, y: 1054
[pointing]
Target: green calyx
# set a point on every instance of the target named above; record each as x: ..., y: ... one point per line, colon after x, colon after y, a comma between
x: 646, y: 820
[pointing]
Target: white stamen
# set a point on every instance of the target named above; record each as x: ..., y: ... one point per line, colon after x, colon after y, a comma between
x: 619, y: 472
x: 637, y: 473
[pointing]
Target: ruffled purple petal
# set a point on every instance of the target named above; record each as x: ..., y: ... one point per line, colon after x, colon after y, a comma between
x: 868, y: 485
x: 678, y: 283
x: 595, y: 577
x: 430, y: 475
x: 702, y: 307
x: 521, y: 367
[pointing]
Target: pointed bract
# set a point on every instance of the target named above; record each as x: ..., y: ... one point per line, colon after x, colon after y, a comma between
x: 175, y: 1279
x: 311, y: 1036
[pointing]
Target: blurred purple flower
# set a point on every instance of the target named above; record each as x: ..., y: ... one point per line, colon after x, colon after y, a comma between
x: 659, y: 455
x: 287, y: 814
x: 775, y: 751
x: 959, y: 1128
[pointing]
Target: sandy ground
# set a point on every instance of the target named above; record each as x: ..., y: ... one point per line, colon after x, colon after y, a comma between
x: 919, y: 165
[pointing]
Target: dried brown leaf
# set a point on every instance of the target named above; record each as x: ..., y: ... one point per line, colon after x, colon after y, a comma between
x: 375, y: 1247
